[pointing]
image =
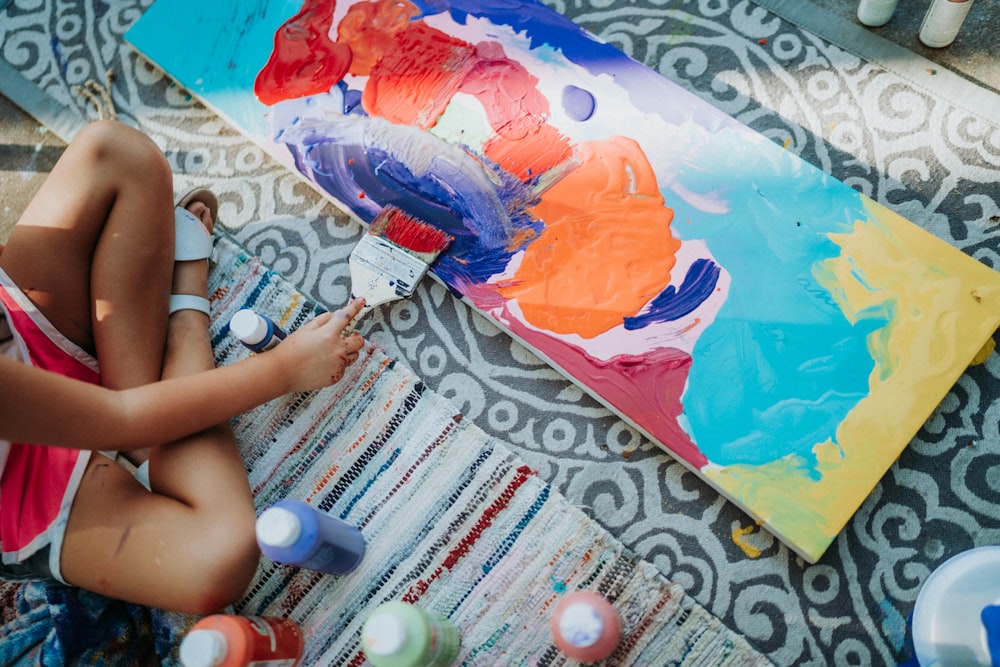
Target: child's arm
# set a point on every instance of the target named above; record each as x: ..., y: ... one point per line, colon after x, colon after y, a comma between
x: 46, y: 408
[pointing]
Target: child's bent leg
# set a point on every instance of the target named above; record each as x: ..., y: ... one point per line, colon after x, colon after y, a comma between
x: 107, y: 203
x: 190, y: 545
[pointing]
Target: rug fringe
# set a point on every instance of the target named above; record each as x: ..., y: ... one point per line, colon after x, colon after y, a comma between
x: 99, y: 95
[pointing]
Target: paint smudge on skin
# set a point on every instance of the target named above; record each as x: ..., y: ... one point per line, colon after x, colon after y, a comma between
x: 123, y: 539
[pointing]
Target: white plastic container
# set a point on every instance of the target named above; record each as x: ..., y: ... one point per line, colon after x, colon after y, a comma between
x: 947, y: 618
x: 942, y: 22
x: 875, y: 13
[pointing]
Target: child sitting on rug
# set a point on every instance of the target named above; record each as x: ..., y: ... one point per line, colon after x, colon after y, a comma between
x: 103, y: 284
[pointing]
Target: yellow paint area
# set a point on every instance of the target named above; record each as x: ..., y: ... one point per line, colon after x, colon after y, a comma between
x: 944, y: 307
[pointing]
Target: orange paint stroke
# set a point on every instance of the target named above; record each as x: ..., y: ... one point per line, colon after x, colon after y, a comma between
x: 606, y: 249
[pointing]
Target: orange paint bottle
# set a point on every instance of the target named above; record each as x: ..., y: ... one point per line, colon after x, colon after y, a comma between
x: 223, y: 640
x: 585, y: 626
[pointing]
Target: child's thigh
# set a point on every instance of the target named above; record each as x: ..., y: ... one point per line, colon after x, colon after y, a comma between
x: 108, y: 170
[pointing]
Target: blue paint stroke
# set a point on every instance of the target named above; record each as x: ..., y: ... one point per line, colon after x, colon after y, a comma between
x: 60, y: 56
x: 368, y: 162
x: 780, y: 367
x: 673, y: 303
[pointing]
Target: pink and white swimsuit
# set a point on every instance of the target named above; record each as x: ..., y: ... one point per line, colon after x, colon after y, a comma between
x: 38, y: 482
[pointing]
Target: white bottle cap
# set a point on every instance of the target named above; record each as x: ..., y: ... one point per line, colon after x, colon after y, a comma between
x: 384, y: 634
x: 277, y: 527
x: 876, y: 13
x: 248, y: 326
x: 580, y: 624
x: 203, y: 648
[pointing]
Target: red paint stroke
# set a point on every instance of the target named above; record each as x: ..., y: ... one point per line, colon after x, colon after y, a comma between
x: 415, y: 70
x: 469, y: 540
x: 525, y: 144
x: 304, y: 61
x: 419, y: 71
x: 413, y: 73
x: 647, y: 388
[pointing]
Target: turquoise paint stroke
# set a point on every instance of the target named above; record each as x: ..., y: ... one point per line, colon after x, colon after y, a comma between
x: 780, y: 367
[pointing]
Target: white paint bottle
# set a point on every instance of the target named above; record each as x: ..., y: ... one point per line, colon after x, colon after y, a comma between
x: 875, y: 13
x: 255, y: 331
x: 942, y: 22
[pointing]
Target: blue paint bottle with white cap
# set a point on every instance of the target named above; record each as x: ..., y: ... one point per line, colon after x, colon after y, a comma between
x: 295, y: 533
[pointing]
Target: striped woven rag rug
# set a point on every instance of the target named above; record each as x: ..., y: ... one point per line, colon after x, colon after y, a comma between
x: 453, y: 521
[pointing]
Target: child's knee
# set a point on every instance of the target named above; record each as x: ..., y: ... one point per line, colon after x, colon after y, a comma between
x: 123, y: 148
x: 227, y: 566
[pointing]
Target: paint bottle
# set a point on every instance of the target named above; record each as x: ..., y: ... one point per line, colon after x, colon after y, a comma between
x: 585, y: 626
x: 398, y: 634
x: 295, y: 533
x: 256, y: 331
x: 875, y: 13
x: 942, y: 22
x: 224, y: 640
x: 956, y: 620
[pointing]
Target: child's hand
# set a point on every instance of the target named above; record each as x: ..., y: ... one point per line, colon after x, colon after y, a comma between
x: 316, y: 354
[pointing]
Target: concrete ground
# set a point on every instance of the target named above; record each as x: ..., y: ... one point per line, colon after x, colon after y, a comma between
x: 27, y: 153
x: 974, y: 54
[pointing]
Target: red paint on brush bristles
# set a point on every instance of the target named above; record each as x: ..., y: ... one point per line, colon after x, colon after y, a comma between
x: 408, y: 232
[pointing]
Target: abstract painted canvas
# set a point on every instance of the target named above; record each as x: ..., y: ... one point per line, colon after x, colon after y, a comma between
x: 776, y: 331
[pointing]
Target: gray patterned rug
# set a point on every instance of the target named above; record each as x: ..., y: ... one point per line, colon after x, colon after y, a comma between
x: 903, y: 142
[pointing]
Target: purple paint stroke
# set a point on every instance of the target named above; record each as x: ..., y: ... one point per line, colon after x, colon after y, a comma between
x: 578, y: 103
x: 368, y: 162
x: 672, y: 303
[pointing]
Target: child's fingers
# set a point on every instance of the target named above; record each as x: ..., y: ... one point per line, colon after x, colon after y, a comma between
x: 343, y: 317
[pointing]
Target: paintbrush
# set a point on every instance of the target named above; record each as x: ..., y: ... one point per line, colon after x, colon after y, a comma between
x: 392, y: 257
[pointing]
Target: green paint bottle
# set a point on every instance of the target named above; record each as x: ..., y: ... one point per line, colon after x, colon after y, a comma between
x: 398, y: 634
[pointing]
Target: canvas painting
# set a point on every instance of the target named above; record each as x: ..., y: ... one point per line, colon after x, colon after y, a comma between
x: 776, y: 331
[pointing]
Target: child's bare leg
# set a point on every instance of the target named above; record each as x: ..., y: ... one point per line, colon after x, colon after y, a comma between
x: 107, y: 203
x: 190, y: 544
x: 94, y: 250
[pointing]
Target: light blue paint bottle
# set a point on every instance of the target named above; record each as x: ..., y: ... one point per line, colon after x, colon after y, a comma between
x: 295, y: 533
x: 256, y: 331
